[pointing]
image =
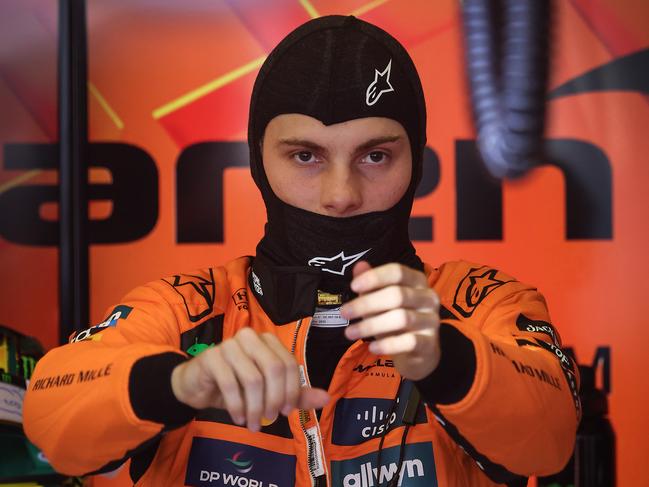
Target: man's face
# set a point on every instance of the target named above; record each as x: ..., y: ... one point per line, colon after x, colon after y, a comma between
x: 339, y: 170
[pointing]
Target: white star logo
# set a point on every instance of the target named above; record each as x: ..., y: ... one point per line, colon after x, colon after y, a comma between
x: 337, y: 260
x: 380, y: 85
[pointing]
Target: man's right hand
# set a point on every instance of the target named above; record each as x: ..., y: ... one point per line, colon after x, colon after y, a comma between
x: 250, y: 375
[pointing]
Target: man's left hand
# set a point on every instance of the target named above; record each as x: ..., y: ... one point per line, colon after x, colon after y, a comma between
x: 400, y: 310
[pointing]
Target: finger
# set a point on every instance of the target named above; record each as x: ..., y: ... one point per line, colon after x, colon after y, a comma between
x: 389, y: 298
x: 360, y: 268
x: 292, y: 380
x: 313, y: 398
x: 397, y: 344
x: 250, y: 379
x: 270, y: 365
x: 230, y: 392
x: 394, y: 321
x: 386, y: 275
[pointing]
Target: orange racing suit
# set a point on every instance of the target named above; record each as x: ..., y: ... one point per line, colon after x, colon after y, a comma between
x: 105, y: 397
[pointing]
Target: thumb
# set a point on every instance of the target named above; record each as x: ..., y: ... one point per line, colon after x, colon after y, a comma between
x: 312, y: 398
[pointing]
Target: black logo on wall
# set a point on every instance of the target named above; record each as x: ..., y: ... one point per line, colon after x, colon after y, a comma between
x: 585, y: 168
x: 200, y: 206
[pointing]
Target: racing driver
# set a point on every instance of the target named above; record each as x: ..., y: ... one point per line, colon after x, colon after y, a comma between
x: 334, y: 356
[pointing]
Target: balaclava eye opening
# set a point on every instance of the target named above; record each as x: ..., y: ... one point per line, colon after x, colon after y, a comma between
x: 334, y: 69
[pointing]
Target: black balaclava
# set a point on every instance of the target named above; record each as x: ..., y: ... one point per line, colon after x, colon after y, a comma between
x: 334, y: 69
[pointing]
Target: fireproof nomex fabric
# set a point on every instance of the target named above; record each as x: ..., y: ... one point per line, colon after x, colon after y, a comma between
x: 334, y: 69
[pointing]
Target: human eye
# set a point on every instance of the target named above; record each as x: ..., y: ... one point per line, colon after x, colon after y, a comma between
x: 375, y: 157
x: 304, y: 157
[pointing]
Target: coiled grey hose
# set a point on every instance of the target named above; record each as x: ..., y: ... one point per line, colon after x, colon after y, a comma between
x: 506, y: 46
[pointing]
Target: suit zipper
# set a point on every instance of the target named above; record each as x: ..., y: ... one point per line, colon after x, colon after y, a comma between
x: 303, y: 414
x: 295, y: 334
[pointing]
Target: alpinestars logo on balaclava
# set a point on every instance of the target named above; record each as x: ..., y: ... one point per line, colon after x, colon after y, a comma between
x: 338, y: 263
x: 380, y: 85
x: 333, y: 69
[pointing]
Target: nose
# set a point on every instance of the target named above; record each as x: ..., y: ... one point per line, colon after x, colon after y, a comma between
x: 340, y: 192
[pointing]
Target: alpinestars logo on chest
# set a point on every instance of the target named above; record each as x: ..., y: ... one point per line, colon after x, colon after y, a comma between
x: 380, y: 85
x: 338, y: 263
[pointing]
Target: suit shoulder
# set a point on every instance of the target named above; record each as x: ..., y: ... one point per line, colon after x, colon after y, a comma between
x: 464, y: 285
x: 203, y: 292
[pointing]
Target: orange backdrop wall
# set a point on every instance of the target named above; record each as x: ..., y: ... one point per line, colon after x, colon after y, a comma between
x: 169, y: 85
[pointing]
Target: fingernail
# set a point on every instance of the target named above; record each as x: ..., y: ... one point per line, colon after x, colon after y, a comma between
x: 268, y: 420
x: 254, y: 427
x: 286, y: 410
x: 240, y: 420
x: 374, y: 348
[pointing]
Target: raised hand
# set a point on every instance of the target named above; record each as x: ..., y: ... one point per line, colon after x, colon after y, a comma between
x: 401, y: 311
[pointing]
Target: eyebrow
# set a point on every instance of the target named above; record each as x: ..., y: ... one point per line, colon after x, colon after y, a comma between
x: 317, y: 147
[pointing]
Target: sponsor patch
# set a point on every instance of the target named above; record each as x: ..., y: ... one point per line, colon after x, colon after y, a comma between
x: 567, y: 366
x: 357, y: 420
x: 197, y: 293
x: 257, y: 283
x: 417, y: 469
x: 240, y: 298
x: 329, y: 299
x: 379, y: 368
x: 479, y: 283
x: 328, y: 318
x: 221, y: 463
x: 203, y: 336
x: 523, y: 323
x: 198, y: 348
x: 563, y: 358
x: 55, y: 381
x: 120, y: 312
x: 539, y: 374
